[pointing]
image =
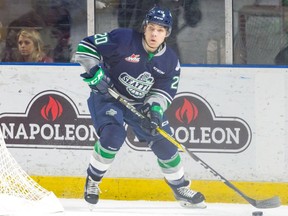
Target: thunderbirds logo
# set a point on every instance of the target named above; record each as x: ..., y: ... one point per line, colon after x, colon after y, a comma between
x: 195, y: 125
x: 51, y: 120
x: 137, y: 87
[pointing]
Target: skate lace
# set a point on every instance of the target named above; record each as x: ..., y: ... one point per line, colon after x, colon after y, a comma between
x: 186, y: 192
x: 93, y: 187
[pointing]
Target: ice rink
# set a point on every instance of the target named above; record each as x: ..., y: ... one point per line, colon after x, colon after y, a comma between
x: 74, y: 207
x: 78, y: 207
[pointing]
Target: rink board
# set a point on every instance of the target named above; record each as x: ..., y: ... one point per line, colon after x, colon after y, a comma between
x: 234, y: 118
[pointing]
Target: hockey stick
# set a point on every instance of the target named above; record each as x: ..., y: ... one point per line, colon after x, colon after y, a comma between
x: 267, y: 203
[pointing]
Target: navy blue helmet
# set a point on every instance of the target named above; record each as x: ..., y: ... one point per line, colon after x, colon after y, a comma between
x: 161, y: 17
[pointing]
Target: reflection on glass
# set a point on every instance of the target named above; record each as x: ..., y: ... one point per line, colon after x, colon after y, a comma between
x: 260, y: 32
x: 196, y: 23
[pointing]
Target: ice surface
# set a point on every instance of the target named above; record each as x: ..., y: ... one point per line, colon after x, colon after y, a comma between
x: 77, y: 207
x: 74, y: 207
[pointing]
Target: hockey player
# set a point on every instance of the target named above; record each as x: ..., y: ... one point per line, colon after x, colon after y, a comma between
x: 143, y: 70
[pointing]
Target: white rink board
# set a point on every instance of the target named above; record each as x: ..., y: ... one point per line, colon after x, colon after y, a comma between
x: 257, y: 95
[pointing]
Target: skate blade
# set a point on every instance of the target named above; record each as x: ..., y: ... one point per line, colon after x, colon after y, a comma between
x: 91, y: 207
x: 201, y: 205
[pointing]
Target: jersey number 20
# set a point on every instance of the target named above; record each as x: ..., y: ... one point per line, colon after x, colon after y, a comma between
x: 100, y: 38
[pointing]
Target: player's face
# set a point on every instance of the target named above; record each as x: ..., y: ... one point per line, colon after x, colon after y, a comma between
x: 25, y: 45
x: 154, y: 36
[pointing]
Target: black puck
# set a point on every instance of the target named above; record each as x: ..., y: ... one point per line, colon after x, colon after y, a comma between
x: 257, y: 213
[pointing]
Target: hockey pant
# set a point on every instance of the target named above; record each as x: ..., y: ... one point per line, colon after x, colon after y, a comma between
x: 108, y: 118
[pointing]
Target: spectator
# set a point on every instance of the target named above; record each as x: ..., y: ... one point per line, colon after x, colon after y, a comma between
x: 30, y: 47
x: 54, y: 21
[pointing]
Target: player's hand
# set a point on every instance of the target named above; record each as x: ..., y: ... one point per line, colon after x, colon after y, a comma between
x: 154, y: 118
x: 97, y: 80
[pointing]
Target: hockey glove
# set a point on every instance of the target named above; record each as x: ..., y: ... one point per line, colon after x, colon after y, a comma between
x: 97, y: 80
x: 154, y: 118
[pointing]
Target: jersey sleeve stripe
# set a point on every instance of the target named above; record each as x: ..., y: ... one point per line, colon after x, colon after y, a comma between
x: 83, y: 49
x: 87, y: 42
x: 89, y: 55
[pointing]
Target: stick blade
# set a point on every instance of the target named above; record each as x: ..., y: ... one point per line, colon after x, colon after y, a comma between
x: 273, y: 202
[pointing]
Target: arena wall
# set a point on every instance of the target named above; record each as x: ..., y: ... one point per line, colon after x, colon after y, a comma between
x: 233, y: 118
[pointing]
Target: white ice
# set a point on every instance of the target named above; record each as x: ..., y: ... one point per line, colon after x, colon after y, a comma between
x: 77, y: 207
x: 74, y: 207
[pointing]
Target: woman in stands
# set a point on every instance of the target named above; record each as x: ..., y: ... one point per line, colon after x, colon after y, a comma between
x: 30, y: 47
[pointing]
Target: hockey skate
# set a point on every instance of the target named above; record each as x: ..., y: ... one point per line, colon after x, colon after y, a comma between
x: 187, y: 197
x: 91, y: 194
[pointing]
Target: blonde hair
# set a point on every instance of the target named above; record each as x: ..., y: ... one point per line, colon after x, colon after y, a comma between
x: 35, y: 36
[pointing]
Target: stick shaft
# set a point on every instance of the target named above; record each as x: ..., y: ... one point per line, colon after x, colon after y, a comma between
x: 268, y: 203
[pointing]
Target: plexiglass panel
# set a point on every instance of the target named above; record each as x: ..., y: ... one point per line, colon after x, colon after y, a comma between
x: 49, y: 29
x: 198, y: 34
